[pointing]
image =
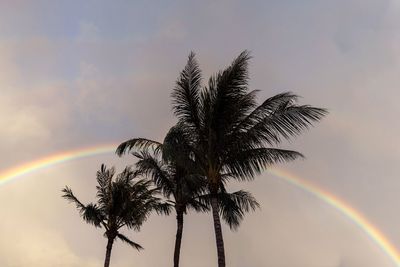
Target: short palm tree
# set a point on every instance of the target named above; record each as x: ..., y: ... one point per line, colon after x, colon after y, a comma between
x: 181, y: 188
x: 175, y: 173
x: 124, y: 201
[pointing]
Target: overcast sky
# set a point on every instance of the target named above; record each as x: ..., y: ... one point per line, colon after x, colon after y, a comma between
x: 81, y: 73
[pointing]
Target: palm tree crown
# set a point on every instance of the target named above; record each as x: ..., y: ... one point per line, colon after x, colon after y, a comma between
x: 123, y: 201
x: 225, y: 128
x: 229, y: 135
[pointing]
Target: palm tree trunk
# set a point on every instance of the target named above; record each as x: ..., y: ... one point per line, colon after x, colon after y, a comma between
x: 108, y: 252
x: 178, y: 240
x: 218, y: 232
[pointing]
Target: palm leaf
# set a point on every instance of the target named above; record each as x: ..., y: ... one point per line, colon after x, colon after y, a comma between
x: 268, y: 107
x: 229, y: 97
x: 69, y: 195
x: 90, y: 213
x: 185, y: 96
x: 150, y: 166
x: 198, y: 205
x: 245, y: 164
x: 104, y: 179
x: 137, y: 144
x: 93, y: 215
x: 233, y: 206
x: 244, y: 200
x: 130, y: 242
x: 287, y: 121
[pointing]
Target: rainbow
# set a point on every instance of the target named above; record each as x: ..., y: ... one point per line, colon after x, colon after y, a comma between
x: 52, y: 160
x: 367, y: 227
x: 356, y: 217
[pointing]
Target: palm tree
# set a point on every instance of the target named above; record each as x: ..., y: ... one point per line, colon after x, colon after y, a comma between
x: 181, y: 188
x: 175, y: 173
x: 229, y: 134
x: 124, y: 201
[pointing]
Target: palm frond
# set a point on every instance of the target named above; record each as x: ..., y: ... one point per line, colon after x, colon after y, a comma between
x: 245, y: 164
x: 104, y: 180
x: 195, y: 184
x: 244, y: 200
x: 176, y: 146
x: 104, y: 176
x: 135, y: 202
x: 198, y: 205
x: 185, y: 96
x: 136, y: 144
x: 150, y: 166
x: 130, y: 242
x: 90, y: 213
x: 126, y: 176
x: 229, y: 96
x: 69, y: 195
x: 93, y: 215
x: 265, y: 109
x: 207, y: 98
x: 233, y: 206
x: 163, y: 208
x: 287, y: 121
x: 233, y: 81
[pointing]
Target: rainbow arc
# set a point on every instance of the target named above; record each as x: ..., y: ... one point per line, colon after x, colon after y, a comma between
x: 355, y: 216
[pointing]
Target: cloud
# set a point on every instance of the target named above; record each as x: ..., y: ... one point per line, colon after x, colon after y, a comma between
x: 105, y: 73
x: 40, y: 247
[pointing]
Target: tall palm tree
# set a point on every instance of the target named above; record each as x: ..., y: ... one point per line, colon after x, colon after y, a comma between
x: 170, y: 167
x: 229, y: 135
x: 124, y: 201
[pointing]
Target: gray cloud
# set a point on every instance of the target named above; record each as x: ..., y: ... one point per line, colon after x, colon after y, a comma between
x: 90, y: 73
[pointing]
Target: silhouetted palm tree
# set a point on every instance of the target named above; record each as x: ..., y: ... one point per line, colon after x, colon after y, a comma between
x: 123, y: 201
x: 175, y: 173
x: 228, y: 134
x: 181, y: 188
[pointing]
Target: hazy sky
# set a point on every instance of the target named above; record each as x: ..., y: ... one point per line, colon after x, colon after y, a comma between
x: 81, y: 73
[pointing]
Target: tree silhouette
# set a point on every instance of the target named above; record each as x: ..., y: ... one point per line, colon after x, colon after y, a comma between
x: 123, y: 201
x: 170, y: 167
x: 181, y: 188
x: 227, y: 135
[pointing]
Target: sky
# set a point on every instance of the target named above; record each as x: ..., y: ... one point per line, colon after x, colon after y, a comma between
x: 81, y: 73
